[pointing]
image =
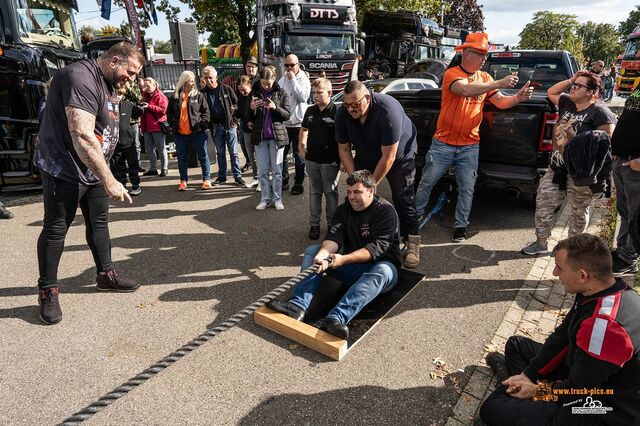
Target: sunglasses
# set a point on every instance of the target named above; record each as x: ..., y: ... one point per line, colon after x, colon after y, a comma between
x: 576, y: 86
x: 290, y: 65
x: 355, y: 104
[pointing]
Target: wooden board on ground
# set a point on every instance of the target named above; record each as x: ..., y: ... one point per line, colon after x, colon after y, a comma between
x: 332, y: 291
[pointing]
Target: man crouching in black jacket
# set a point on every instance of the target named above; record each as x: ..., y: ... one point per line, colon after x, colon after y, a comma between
x: 588, y: 371
x: 125, y: 157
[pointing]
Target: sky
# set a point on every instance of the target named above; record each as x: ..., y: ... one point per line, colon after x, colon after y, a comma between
x: 504, y: 19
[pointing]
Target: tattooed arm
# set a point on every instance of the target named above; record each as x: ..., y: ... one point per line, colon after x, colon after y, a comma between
x: 87, y: 146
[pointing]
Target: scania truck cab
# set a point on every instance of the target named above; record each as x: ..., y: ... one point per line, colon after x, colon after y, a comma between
x: 321, y: 34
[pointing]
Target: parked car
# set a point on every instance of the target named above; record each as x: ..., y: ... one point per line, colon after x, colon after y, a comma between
x: 515, y: 144
x: 389, y: 85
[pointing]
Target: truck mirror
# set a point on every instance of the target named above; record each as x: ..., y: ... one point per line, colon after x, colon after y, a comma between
x: 361, y: 46
x: 362, y: 35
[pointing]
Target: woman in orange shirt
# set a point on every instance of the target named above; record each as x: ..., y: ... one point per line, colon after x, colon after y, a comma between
x: 188, y: 116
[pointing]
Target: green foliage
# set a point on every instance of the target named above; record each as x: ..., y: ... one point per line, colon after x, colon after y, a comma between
x: 431, y: 8
x: 464, y: 14
x: 627, y: 26
x: 550, y: 30
x: 229, y: 21
x: 161, y: 46
x: 600, y: 41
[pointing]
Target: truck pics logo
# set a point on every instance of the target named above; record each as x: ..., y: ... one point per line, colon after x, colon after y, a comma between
x: 315, y: 13
x: 321, y: 65
x: 591, y: 406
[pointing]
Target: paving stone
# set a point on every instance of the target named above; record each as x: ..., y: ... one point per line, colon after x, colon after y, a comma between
x: 477, y: 385
x: 465, y: 409
x: 453, y: 422
x: 506, y: 329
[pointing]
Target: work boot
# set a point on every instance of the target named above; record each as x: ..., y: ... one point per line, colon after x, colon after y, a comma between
x: 498, y: 365
x: 297, y: 189
x: 287, y: 308
x: 111, y: 282
x: 334, y: 327
x: 411, y: 257
x: 50, y: 312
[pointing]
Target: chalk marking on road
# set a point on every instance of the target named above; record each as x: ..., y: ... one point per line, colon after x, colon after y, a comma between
x: 482, y: 262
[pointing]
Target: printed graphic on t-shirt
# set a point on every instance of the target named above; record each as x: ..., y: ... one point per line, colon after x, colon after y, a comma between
x: 633, y: 101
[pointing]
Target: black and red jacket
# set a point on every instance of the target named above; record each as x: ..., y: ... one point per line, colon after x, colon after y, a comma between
x: 599, y: 344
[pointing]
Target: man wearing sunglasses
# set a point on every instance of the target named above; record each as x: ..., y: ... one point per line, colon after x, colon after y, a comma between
x: 384, y: 139
x: 78, y: 135
x: 297, y: 85
x: 457, y: 138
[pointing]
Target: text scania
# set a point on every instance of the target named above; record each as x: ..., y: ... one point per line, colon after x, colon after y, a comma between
x: 322, y: 65
x: 323, y: 13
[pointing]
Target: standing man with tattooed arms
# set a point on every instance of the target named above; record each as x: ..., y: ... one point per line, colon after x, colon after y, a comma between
x: 78, y: 135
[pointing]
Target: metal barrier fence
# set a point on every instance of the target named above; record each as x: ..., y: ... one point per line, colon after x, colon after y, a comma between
x: 167, y: 75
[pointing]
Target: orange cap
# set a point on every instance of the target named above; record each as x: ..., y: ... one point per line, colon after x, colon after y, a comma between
x: 478, y: 41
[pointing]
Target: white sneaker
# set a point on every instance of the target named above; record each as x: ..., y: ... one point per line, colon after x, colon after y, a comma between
x: 262, y: 206
x: 254, y: 183
x: 279, y: 206
x: 259, y: 187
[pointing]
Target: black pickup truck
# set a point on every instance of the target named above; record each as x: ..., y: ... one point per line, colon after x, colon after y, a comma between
x: 514, y: 144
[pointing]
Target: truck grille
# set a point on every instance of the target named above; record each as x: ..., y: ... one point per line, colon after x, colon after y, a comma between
x: 338, y: 79
x: 631, y: 73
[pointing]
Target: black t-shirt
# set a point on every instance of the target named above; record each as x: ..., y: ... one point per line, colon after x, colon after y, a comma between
x: 385, y: 125
x: 625, y: 141
x: 217, y: 110
x: 375, y: 228
x: 571, y: 122
x: 80, y: 85
x: 321, y: 140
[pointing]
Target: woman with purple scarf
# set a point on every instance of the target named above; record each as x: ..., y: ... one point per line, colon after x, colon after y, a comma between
x: 269, y: 109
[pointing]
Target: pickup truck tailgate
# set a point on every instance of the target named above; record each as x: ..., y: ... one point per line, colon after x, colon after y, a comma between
x: 512, y: 136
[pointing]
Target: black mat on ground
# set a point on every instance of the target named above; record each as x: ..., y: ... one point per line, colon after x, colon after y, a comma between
x: 331, y: 290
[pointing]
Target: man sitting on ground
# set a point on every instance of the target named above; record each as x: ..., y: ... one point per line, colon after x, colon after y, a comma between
x: 595, y: 349
x: 361, y: 249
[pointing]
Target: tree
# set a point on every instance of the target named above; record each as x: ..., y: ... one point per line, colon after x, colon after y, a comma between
x: 627, y: 26
x: 600, y: 41
x: 161, y: 46
x: 431, y: 8
x: 464, y: 14
x: 550, y: 30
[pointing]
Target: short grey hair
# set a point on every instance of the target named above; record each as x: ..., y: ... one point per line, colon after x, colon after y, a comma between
x: 210, y: 70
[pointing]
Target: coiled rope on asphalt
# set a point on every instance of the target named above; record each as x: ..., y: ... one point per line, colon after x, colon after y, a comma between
x: 156, y: 368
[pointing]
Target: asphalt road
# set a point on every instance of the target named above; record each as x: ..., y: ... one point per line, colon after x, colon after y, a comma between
x: 202, y: 256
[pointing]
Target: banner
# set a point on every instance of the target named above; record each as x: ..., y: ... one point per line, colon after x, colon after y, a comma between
x: 135, y: 25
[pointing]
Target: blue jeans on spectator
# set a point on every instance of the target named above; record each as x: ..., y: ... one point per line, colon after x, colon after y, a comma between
x: 365, y: 281
x: 223, y: 139
x: 198, y: 141
x: 440, y: 157
x: 322, y: 177
x: 269, y: 159
x: 155, y: 141
x: 298, y: 179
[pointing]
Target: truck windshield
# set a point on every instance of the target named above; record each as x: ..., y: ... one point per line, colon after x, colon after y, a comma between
x: 632, y: 51
x: 542, y: 72
x: 316, y: 44
x: 46, y: 22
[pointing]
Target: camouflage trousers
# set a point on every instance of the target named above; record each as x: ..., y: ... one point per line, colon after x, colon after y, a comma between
x: 550, y: 197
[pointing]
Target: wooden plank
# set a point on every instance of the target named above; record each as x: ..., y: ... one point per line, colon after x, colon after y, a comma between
x: 302, y: 333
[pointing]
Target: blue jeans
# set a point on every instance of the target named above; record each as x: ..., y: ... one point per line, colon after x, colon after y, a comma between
x: 365, y: 281
x: 269, y: 159
x: 223, y: 139
x: 198, y: 141
x: 155, y: 141
x: 440, y: 157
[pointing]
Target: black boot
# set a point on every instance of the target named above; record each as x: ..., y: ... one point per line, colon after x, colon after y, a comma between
x: 333, y: 326
x: 498, y: 365
x: 287, y: 308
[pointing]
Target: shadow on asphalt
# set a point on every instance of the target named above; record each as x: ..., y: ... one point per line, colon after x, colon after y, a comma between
x: 363, y: 405
x: 234, y: 259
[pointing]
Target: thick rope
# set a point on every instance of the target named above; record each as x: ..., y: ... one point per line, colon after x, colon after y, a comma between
x: 156, y: 368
